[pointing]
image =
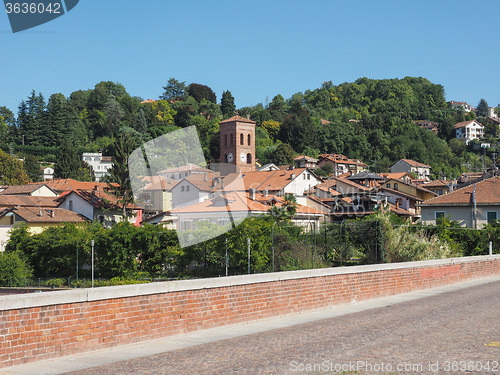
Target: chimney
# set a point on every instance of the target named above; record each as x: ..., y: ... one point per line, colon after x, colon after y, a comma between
x: 265, y: 192
x: 292, y: 177
x: 252, y: 193
x: 52, y: 213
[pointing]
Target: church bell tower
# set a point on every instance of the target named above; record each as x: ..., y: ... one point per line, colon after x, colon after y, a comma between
x: 237, y: 143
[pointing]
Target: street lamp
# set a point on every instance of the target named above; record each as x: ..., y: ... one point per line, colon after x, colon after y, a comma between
x: 272, y: 236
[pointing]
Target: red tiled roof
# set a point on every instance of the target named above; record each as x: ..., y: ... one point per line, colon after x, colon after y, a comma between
x: 414, y: 163
x: 48, y: 215
x: 353, y: 184
x: 186, y: 168
x: 487, y: 193
x: 22, y: 189
x: 304, y: 157
x: 270, y: 180
x: 26, y: 201
x: 395, y: 175
x: 66, y: 184
x: 241, y: 202
x: 463, y: 124
x: 159, y: 183
x: 100, y: 199
x: 238, y: 119
x: 436, y: 183
x: 341, y: 159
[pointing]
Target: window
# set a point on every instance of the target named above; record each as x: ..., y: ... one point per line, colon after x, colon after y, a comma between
x: 439, y: 214
x: 231, y: 139
x: 491, y: 215
x: 222, y: 222
x: 187, y: 188
x: 70, y: 205
x: 241, y: 139
x: 388, y: 186
x: 308, y: 176
x: 182, y: 188
x: 187, y: 225
x: 248, y: 138
x: 249, y: 158
x: 225, y: 139
x: 395, y: 186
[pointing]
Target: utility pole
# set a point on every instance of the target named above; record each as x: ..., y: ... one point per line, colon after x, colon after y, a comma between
x: 248, y: 243
x: 227, y: 259
x: 92, y: 242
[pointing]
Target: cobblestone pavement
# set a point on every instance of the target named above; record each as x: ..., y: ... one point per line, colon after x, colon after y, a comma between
x: 452, y: 333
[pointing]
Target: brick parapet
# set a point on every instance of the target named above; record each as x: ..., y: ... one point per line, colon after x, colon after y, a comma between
x: 45, y: 325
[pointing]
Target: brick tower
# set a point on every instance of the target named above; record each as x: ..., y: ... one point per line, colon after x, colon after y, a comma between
x: 237, y: 143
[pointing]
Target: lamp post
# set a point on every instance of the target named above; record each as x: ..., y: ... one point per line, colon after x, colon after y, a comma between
x: 92, y: 242
x: 248, y: 243
x: 272, y: 236
x: 313, y: 241
x: 227, y: 259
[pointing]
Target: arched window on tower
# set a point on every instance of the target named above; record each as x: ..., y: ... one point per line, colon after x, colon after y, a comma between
x: 249, y: 158
x: 241, y: 139
x: 248, y: 139
x: 231, y: 139
x: 225, y: 139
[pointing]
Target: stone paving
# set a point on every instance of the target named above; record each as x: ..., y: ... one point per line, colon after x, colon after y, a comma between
x: 456, y: 332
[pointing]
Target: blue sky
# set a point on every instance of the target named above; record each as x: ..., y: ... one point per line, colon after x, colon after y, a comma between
x: 255, y: 49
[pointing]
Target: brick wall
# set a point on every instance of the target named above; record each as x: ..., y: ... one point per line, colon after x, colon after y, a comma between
x: 45, y: 325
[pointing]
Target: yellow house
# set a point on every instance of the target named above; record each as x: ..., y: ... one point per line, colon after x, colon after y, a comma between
x: 406, y: 195
x: 36, y: 218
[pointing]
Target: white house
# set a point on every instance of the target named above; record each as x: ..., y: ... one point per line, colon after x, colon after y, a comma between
x: 469, y: 130
x: 294, y: 181
x: 100, y: 164
x: 474, y: 205
x: 465, y: 106
x: 421, y: 171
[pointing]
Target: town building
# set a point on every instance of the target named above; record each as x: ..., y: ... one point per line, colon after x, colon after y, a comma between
x: 100, y: 164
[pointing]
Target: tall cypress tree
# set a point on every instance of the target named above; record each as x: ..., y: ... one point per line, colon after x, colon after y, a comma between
x: 68, y: 162
x: 227, y: 105
x: 119, y: 174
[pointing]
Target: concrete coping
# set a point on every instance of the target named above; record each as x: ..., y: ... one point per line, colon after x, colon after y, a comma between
x: 12, y: 302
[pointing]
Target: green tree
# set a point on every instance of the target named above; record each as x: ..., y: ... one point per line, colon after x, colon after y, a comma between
x: 12, y: 171
x: 174, y: 90
x: 482, y: 108
x: 156, y: 248
x: 227, y: 105
x: 8, y: 122
x: 200, y: 92
x: 4, y: 130
x: 272, y: 128
x: 141, y: 124
x: 115, y: 252
x: 69, y: 163
x: 29, y: 119
x: 114, y: 115
x: 32, y: 167
x: 13, y: 269
x: 119, y: 178
x: 283, y: 155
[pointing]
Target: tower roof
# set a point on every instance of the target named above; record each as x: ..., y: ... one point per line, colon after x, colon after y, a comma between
x: 237, y: 119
